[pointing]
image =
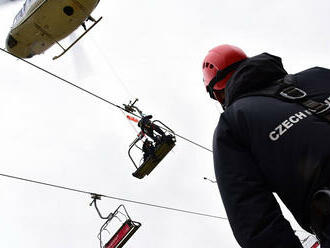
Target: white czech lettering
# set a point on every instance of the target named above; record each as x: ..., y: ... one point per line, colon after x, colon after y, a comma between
x: 273, y: 136
x: 327, y: 101
x: 301, y: 115
x: 293, y: 119
x: 287, y: 124
x: 280, y: 129
x: 290, y: 122
x: 308, y: 112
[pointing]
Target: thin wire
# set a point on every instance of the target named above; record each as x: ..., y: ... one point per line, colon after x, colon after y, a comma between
x: 110, y: 66
x: 93, y: 94
x: 212, y: 181
x: 64, y: 80
x: 114, y: 72
x: 130, y: 123
x: 192, y: 142
x: 113, y: 197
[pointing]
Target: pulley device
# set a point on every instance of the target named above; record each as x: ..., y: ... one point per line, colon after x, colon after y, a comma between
x: 118, y: 223
x: 155, y: 141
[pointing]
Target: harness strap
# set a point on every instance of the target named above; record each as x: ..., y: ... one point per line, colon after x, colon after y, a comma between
x: 320, y: 109
x: 286, y: 90
x: 221, y: 74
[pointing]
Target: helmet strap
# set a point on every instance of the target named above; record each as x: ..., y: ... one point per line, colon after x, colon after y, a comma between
x: 221, y: 74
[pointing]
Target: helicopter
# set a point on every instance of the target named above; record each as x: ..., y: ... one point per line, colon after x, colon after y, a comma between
x: 42, y: 23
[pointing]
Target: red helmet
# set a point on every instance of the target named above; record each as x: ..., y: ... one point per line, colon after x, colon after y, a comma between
x: 218, y: 66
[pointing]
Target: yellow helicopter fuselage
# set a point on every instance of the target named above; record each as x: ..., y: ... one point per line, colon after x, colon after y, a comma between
x: 41, y: 23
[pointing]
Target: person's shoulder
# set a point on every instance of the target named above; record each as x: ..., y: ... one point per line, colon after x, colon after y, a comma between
x: 314, y: 78
x: 236, y: 113
x: 317, y: 70
x: 246, y: 104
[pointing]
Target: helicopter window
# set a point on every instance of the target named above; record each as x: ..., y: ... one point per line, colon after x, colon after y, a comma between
x: 22, y: 12
x: 68, y: 10
x: 18, y: 17
x: 28, y: 4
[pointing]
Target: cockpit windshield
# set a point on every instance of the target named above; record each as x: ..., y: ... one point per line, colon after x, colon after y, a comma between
x: 26, y: 7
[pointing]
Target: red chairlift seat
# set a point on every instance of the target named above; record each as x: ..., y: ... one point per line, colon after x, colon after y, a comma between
x: 124, y: 233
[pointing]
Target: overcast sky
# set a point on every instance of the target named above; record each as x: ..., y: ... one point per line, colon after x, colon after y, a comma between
x: 152, y: 50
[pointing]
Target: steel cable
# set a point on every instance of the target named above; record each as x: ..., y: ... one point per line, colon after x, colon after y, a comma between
x: 113, y: 197
x: 99, y: 97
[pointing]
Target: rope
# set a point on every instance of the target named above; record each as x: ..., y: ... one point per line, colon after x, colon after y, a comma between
x: 113, y: 197
x: 93, y: 94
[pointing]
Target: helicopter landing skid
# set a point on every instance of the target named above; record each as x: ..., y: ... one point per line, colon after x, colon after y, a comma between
x: 86, y: 31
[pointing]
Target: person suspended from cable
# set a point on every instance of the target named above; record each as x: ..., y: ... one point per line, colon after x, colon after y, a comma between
x: 150, y: 129
x: 147, y: 126
x: 157, y: 141
x: 148, y: 149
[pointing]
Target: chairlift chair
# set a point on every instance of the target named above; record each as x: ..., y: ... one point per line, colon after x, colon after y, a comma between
x: 123, y: 234
x: 162, y: 148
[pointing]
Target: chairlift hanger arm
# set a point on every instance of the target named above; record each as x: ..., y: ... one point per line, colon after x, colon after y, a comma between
x: 96, y: 197
x: 139, y: 111
x: 131, y: 108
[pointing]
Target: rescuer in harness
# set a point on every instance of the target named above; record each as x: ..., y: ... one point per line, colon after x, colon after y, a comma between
x: 161, y: 142
x: 273, y: 137
x: 148, y: 149
x: 149, y: 128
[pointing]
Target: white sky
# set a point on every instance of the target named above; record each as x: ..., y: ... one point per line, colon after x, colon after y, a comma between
x: 148, y: 49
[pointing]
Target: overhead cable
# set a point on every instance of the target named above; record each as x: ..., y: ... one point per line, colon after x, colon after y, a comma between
x: 93, y: 94
x: 113, y: 197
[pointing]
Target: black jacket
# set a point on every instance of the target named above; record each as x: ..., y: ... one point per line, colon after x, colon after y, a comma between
x: 264, y: 145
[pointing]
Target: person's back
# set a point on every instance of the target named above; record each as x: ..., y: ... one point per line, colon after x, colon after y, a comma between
x: 264, y: 145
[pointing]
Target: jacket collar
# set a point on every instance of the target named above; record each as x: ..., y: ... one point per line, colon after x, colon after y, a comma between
x: 254, y: 73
